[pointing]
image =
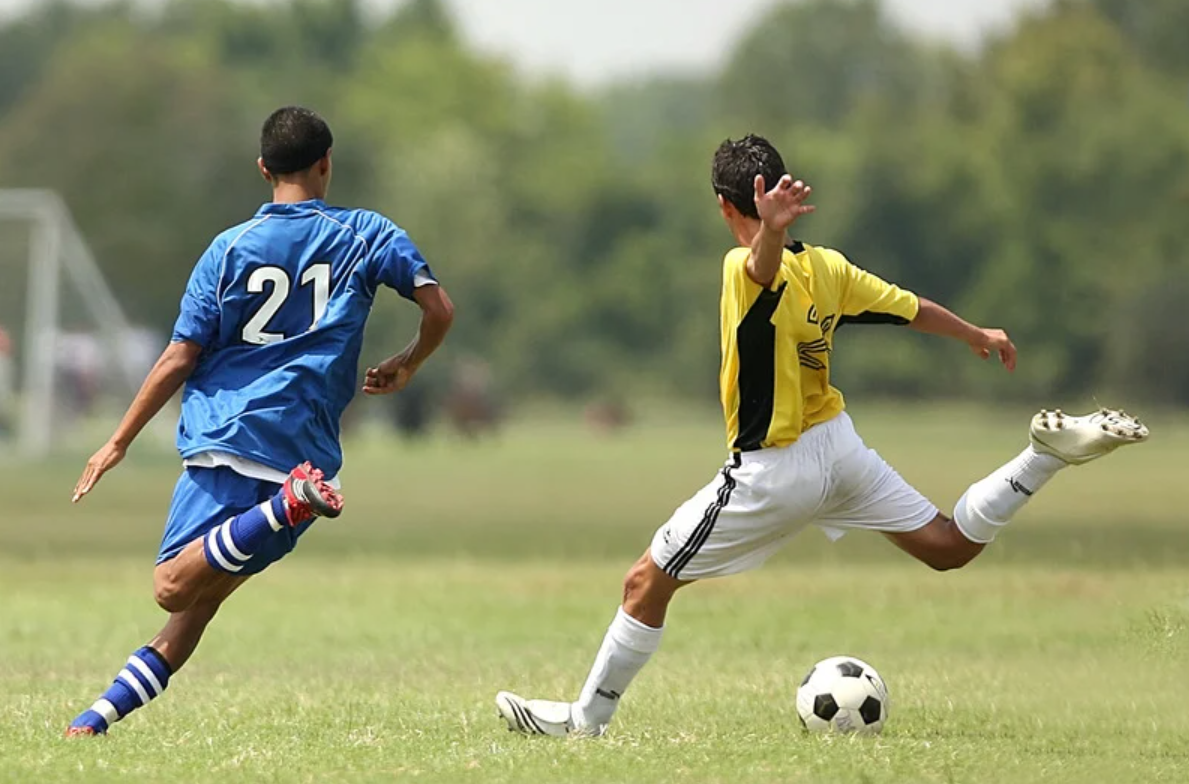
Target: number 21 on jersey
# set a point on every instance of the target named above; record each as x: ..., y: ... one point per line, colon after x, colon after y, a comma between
x: 316, y: 274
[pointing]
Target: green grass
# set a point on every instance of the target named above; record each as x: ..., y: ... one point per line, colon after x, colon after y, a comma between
x: 374, y: 652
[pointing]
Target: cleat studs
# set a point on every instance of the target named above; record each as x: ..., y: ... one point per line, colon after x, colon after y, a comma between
x: 1106, y: 427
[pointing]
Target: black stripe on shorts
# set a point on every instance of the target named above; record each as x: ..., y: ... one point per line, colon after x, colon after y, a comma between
x: 698, y: 538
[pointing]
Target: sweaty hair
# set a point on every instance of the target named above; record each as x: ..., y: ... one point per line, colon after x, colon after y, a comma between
x: 293, y: 139
x: 736, y: 164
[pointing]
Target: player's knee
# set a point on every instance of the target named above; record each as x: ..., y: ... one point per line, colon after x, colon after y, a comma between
x: 170, y: 594
x: 646, y: 584
x: 635, y: 582
x: 947, y: 561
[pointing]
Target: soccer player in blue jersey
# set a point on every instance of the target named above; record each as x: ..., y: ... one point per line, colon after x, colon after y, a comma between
x: 267, y: 347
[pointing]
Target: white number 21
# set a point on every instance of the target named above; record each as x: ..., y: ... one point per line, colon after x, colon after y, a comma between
x: 318, y: 274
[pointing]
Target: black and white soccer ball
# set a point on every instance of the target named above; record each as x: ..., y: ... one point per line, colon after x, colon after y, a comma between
x: 843, y: 694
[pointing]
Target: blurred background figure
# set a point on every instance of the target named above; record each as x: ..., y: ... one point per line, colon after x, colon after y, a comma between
x: 470, y: 404
x: 607, y: 416
x: 412, y: 410
x: 80, y: 362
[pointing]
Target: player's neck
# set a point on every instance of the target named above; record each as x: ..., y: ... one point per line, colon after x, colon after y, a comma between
x: 745, y: 231
x: 294, y: 192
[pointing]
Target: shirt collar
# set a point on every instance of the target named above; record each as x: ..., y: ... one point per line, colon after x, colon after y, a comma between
x: 298, y: 208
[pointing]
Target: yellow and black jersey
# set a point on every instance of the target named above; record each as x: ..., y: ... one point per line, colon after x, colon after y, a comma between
x: 776, y: 341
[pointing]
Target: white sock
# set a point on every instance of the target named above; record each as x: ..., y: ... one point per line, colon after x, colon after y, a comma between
x: 990, y: 503
x: 625, y: 650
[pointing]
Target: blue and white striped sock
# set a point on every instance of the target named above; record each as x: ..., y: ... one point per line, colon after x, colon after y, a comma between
x: 231, y: 545
x: 144, y: 678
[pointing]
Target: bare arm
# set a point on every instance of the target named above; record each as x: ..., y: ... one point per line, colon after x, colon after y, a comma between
x: 767, y: 250
x: 174, y: 366
x: 934, y: 319
x: 778, y: 209
x: 394, y: 373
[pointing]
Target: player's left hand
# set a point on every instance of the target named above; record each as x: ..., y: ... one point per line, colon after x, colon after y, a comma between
x: 391, y: 375
x: 995, y: 341
x: 107, y: 458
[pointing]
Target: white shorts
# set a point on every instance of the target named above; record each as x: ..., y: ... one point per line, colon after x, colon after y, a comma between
x: 828, y: 478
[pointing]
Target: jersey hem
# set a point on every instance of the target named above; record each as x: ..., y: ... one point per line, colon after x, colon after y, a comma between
x: 240, y: 453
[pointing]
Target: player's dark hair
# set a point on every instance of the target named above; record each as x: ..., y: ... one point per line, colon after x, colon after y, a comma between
x: 736, y: 164
x: 293, y: 139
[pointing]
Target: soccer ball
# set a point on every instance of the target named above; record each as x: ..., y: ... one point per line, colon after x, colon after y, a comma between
x: 843, y: 694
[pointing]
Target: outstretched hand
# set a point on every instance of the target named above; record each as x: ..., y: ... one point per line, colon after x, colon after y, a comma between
x: 995, y: 341
x: 107, y: 458
x: 391, y: 375
x: 780, y: 207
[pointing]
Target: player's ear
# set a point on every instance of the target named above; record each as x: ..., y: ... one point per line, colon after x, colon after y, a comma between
x: 725, y: 207
x: 263, y: 171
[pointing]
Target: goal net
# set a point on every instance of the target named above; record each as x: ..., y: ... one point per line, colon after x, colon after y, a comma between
x: 69, y: 358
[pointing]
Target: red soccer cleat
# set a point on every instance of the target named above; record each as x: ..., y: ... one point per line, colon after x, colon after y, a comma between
x: 81, y: 732
x: 308, y: 495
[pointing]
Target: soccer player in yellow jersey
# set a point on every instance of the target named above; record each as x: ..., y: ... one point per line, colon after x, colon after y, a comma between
x: 795, y: 458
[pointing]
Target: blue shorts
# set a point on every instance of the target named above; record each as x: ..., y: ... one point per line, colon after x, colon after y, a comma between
x: 207, y: 497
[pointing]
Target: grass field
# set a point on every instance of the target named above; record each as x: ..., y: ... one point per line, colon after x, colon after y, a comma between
x: 374, y: 652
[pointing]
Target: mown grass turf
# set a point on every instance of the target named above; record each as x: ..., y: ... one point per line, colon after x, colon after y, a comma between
x: 373, y: 654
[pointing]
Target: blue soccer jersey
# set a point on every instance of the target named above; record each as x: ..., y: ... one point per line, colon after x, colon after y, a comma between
x: 278, y: 305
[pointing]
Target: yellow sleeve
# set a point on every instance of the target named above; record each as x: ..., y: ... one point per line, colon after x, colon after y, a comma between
x: 739, y: 291
x: 868, y: 298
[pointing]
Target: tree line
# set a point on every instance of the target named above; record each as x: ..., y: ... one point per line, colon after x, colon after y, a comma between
x: 1039, y: 184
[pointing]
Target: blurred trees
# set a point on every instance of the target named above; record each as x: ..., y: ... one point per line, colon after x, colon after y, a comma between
x: 1040, y: 184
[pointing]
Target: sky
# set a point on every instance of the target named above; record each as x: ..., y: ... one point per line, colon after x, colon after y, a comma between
x: 596, y: 41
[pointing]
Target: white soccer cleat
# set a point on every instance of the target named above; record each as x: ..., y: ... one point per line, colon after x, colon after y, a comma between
x: 539, y: 717
x: 1080, y: 439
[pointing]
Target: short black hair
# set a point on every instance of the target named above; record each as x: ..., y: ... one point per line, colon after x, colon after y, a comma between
x: 736, y: 164
x: 293, y: 139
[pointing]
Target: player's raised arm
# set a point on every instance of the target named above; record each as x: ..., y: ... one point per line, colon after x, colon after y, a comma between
x: 174, y: 366
x: 778, y: 209
x: 394, y: 373
x: 934, y: 319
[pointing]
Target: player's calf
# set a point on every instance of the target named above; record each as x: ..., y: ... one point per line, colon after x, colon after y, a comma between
x: 940, y: 545
x: 150, y: 668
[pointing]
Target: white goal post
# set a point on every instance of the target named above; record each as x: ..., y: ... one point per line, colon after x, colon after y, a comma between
x: 57, y: 254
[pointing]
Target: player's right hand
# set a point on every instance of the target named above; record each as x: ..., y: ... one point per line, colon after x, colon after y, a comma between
x: 392, y: 375
x: 107, y: 458
x: 780, y: 207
